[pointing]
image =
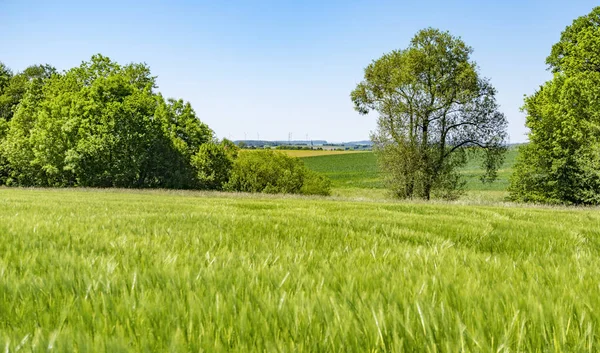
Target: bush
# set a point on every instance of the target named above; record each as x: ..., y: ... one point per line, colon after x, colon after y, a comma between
x: 274, y: 172
x: 213, y: 163
x: 315, y: 184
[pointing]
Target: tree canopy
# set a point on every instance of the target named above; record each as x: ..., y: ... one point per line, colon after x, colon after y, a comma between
x: 433, y: 108
x: 561, y: 163
x: 579, y: 47
x: 100, y: 124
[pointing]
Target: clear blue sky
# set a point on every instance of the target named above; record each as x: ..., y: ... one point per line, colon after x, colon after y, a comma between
x: 274, y: 67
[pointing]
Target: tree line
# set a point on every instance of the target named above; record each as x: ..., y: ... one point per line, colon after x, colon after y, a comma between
x: 102, y: 124
x: 435, y: 110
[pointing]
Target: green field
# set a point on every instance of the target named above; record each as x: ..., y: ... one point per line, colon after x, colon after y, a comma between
x: 357, y: 175
x: 155, y: 271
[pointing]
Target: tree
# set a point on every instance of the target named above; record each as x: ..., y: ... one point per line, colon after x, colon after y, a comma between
x: 102, y: 125
x: 14, y: 87
x: 5, y: 76
x: 577, y: 51
x: 561, y: 162
x: 213, y: 163
x: 434, y: 109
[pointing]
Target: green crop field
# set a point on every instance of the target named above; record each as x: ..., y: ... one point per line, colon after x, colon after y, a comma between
x: 354, y: 170
x: 357, y: 175
x: 154, y: 271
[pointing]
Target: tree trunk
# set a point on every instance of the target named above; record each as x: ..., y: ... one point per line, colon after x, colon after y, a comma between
x: 425, y: 160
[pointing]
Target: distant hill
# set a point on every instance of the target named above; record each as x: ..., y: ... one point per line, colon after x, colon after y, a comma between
x: 257, y: 143
x: 359, y: 143
x: 279, y: 143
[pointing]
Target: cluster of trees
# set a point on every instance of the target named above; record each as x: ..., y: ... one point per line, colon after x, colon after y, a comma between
x: 103, y: 125
x: 561, y: 162
x: 435, y: 109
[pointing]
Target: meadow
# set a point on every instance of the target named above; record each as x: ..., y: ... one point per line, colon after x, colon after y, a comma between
x: 147, y: 271
x: 357, y: 175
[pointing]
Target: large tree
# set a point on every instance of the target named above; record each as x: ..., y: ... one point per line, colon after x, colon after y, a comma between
x: 100, y: 124
x: 434, y: 109
x: 561, y: 162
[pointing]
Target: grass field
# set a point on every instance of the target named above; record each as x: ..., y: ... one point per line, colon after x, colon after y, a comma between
x: 357, y: 175
x: 113, y: 271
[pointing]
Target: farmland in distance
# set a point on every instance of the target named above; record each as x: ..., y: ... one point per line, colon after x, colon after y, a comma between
x: 357, y: 175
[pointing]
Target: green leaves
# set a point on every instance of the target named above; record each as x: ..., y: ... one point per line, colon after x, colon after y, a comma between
x: 561, y: 165
x: 432, y: 106
x: 100, y: 125
x: 213, y: 165
x: 14, y: 87
x: 558, y: 164
x: 274, y: 172
x: 579, y: 46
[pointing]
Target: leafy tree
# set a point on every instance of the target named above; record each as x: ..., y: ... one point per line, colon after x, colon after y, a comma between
x: 5, y: 76
x: 578, y: 48
x: 230, y: 148
x: 433, y: 109
x: 182, y: 125
x: 14, y: 87
x: 561, y: 163
x: 101, y: 124
x: 213, y: 163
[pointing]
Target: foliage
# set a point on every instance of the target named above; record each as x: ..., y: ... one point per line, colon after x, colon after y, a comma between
x: 231, y: 149
x: 274, y: 172
x: 561, y: 163
x: 5, y: 76
x: 157, y: 271
x: 433, y: 108
x: 101, y: 125
x: 577, y: 50
x: 213, y: 165
x: 297, y: 148
x: 14, y: 87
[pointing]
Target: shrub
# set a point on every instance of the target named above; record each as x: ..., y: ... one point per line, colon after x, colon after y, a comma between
x: 213, y: 163
x: 315, y: 184
x: 274, y: 172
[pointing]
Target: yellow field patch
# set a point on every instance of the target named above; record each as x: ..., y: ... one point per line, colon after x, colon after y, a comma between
x: 313, y: 153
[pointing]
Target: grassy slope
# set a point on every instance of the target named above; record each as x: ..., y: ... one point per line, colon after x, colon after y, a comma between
x: 158, y: 271
x: 358, y: 175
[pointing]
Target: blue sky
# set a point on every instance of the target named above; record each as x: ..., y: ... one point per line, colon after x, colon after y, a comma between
x: 267, y: 68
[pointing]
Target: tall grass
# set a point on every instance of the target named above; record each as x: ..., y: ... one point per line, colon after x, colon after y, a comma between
x: 155, y: 271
